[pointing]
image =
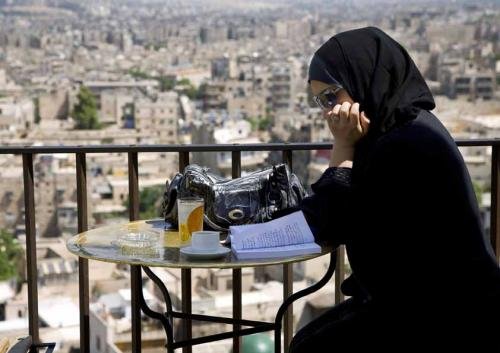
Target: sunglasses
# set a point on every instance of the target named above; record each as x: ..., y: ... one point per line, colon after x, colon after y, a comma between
x: 327, y: 98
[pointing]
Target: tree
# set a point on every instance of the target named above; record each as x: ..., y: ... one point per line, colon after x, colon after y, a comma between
x: 265, y: 123
x: 201, y: 91
x: 166, y: 83
x: 260, y: 124
x: 254, y: 123
x: 85, y: 111
x: 149, y: 199
x: 10, y: 255
x: 137, y: 73
x: 187, y: 88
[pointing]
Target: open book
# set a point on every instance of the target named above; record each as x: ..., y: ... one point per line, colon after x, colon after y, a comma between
x: 286, y: 236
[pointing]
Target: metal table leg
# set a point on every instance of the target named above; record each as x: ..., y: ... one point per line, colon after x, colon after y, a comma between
x: 167, y: 318
x: 281, y: 311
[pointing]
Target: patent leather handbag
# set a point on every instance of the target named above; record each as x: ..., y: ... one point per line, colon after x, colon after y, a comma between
x: 252, y: 198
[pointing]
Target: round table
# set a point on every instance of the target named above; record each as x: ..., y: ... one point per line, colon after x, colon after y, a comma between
x: 102, y: 244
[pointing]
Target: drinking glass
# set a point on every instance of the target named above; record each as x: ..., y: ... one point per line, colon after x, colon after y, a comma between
x: 190, y: 214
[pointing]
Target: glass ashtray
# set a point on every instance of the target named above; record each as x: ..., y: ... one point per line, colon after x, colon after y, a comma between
x: 138, y: 239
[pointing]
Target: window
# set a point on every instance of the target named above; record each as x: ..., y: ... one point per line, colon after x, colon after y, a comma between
x: 229, y: 284
x: 98, y: 343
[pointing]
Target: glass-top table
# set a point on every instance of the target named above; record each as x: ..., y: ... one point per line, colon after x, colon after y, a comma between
x: 106, y: 244
x: 103, y: 244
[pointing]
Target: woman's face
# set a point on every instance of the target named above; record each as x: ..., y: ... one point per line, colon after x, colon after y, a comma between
x: 342, y: 95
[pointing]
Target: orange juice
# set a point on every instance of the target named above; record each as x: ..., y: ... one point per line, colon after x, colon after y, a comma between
x: 190, y: 217
x: 171, y: 239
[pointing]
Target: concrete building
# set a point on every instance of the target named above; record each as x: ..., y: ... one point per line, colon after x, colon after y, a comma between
x: 195, y: 75
x: 224, y: 67
x: 56, y: 266
x: 231, y: 131
x: 54, y: 104
x: 114, y: 105
x: 7, y: 293
x: 253, y: 106
x: 11, y: 193
x: 110, y: 322
x: 462, y: 79
x: 473, y: 85
x: 17, y: 115
x: 293, y: 28
x: 7, y: 86
x: 478, y: 159
x: 214, y: 96
x: 221, y: 280
x: 211, y: 34
x: 160, y: 117
x: 58, y: 292
x: 112, y: 96
x: 284, y: 83
x: 455, y: 32
x: 235, y: 96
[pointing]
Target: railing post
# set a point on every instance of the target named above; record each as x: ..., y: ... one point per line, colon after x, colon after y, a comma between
x: 287, y: 280
x: 495, y: 196
x: 29, y: 209
x: 135, y: 270
x: 237, y: 302
x: 83, y: 265
x: 186, y: 276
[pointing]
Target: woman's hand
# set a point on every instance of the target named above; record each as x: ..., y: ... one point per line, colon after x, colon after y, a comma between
x: 347, y: 124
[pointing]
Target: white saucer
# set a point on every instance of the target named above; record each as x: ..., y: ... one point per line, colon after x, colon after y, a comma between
x: 210, y: 254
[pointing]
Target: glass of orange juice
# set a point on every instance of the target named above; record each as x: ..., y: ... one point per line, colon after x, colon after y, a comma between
x: 190, y: 217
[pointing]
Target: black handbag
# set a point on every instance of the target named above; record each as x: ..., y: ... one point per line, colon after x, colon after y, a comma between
x: 252, y: 198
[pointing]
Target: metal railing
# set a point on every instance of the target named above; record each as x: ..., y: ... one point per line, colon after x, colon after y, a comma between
x: 183, y: 151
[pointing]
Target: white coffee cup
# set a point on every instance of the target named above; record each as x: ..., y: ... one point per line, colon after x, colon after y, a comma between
x: 205, y: 240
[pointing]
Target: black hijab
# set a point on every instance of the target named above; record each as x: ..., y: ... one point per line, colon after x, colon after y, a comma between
x: 378, y: 73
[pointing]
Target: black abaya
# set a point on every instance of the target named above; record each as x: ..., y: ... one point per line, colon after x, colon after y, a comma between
x: 408, y: 217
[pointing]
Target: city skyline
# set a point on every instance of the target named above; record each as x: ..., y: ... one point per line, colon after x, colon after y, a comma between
x: 151, y: 72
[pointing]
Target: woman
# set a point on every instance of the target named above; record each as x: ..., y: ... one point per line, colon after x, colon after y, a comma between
x: 400, y: 198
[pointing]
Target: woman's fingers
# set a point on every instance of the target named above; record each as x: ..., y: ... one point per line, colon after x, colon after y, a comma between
x: 335, y: 112
x: 365, y: 122
x: 344, y: 112
x: 327, y: 115
x: 354, y: 115
x: 345, y: 121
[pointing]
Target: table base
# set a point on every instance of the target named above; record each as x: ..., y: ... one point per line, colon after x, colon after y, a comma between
x: 166, y: 318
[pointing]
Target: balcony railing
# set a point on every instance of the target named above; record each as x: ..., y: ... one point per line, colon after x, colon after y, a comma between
x: 183, y: 152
